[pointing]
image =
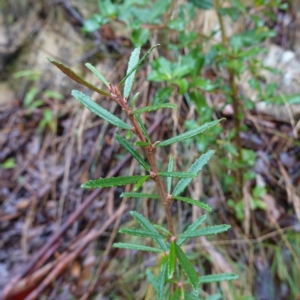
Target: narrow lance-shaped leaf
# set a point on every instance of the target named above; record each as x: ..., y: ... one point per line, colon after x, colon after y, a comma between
x: 191, y: 228
x: 97, y: 73
x: 133, y: 152
x: 110, y: 182
x: 152, y: 279
x: 76, y: 77
x: 136, y: 247
x: 149, y: 227
x: 142, y: 144
x: 178, y: 174
x: 138, y: 64
x: 134, y: 58
x: 217, y: 277
x: 188, y: 134
x: 206, y: 231
x: 171, y: 260
x: 188, y: 268
x: 215, y: 297
x: 170, y: 169
x: 139, y: 195
x: 98, y: 110
x: 132, y: 102
x: 196, y: 167
x: 165, y: 231
x: 161, y: 281
x: 128, y: 134
x: 154, y: 107
x: 193, y: 202
x: 142, y: 233
x: 145, y: 132
x: 140, y: 182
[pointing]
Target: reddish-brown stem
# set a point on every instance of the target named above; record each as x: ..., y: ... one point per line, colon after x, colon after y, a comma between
x: 116, y: 94
x: 157, y: 179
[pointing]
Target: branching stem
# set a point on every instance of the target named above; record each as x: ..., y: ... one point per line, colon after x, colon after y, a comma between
x: 150, y: 153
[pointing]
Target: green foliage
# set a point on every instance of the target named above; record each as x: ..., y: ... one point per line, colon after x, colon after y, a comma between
x: 133, y: 152
x: 187, y: 267
x: 168, y: 242
x: 188, y: 134
x: 98, y: 110
x: 133, y: 61
x: 136, y: 247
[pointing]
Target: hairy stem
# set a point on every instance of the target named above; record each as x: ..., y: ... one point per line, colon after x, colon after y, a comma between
x: 159, y: 184
x: 235, y: 102
x: 116, y: 94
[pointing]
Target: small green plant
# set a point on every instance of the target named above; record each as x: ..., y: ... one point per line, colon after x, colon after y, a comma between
x: 175, y: 267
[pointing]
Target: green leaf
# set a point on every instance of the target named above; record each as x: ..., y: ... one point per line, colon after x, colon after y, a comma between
x: 145, y: 132
x: 107, y: 8
x: 133, y: 152
x: 188, y: 134
x: 139, y: 195
x: 191, y: 228
x: 136, y: 247
x: 193, y: 202
x: 158, y: 9
x: 196, y: 167
x: 142, y: 233
x: 110, y: 182
x: 128, y: 134
x: 149, y: 227
x: 188, y: 268
x: 140, y: 36
x: 140, y: 182
x: 202, y: 4
x: 132, y: 102
x: 165, y: 231
x: 153, y: 107
x: 171, y: 260
x: 204, y: 84
x: 238, y: 4
x: 177, y: 174
x: 134, y: 58
x: 76, y: 77
x: 182, y: 84
x: 98, y: 110
x: 170, y: 169
x: 206, y: 231
x: 152, y: 279
x: 161, y: 281
x: 142, y: 144
x: 217, y: 277
x: 162, y: 95
x: 215, y: 297
x: 93, y: 23
x: 97, y: 73
x: 138, y: 64
x: 177, y: 24
x: 10, y: 163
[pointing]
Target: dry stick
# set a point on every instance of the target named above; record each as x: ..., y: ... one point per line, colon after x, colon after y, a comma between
x: 74, y: 216
x: 68, y: 260
x: 235, y: 103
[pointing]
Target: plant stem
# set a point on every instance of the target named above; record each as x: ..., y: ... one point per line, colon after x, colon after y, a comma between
x: 236, y: 105
x: 117, y: 96
x: 157, y: 179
